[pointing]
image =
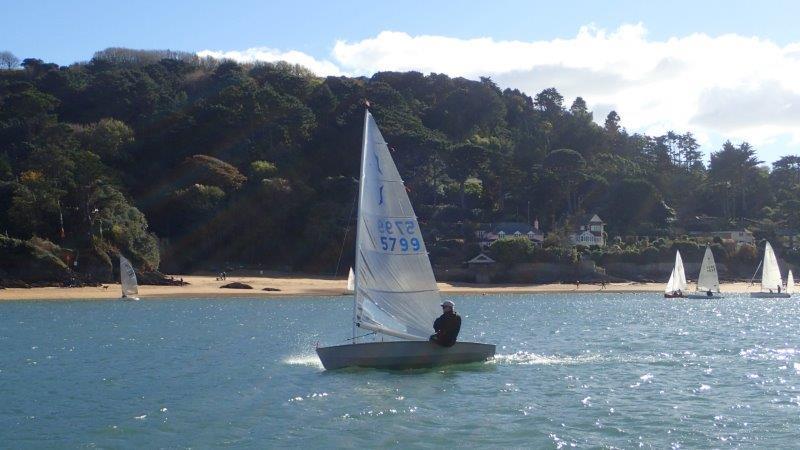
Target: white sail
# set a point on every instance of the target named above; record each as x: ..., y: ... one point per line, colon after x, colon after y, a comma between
x: 770, y: 273
x: 351, y: 281
x: 396, y: 293
x: 677, y: 279
x: 127, y: 278
x: 790, y: 283
x: 670, y: 288
x: 708, y: 280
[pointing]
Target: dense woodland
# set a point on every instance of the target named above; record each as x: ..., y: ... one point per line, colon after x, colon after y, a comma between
x: 186, y: 163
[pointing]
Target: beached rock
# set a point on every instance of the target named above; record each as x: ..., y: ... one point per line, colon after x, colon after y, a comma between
x: 236, y: 285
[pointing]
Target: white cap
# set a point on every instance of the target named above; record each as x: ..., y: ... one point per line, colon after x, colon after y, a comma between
x: 448, y: 303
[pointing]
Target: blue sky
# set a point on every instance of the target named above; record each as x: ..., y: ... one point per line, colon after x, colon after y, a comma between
x: 69, y: 31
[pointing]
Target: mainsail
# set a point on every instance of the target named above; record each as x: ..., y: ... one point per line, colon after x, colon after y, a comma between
x: 677, y: 279
x: 396, y: 293
x: 127, y: 277
x: 790, y: 283
x: 351, y: 281
x: 708, y: 280
x: 770, y: 273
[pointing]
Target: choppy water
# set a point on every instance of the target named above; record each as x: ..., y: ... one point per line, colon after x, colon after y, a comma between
x: 572, y: 371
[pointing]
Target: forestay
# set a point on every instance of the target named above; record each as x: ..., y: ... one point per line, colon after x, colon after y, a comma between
x: 127, y: 277
x: 771, y: 273
x: 708, y: 280
x: 396, y: 292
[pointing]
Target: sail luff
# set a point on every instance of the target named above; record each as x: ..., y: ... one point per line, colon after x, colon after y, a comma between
x: 362, y: 173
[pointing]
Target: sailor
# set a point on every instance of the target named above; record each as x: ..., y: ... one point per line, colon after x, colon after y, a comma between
x: 709, y: 294
x: 446, y: 326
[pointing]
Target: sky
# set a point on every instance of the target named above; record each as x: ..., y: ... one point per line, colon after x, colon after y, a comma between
x: 719, y: 69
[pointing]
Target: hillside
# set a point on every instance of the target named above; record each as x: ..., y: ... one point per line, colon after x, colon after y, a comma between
x: 184, y: 163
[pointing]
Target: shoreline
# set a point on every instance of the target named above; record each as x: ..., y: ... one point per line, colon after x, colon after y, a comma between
x: 209, y: 287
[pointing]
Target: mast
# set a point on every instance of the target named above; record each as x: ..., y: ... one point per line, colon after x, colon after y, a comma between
x: 358, y: 217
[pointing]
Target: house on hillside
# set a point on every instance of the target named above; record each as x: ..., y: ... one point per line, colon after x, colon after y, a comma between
x: 488, y: 233
x: 590, y: 231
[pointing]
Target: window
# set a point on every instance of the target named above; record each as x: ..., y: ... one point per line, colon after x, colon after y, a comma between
x: 501, y: 234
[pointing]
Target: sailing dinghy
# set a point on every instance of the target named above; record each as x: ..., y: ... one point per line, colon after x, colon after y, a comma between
x: 396, y: 295
x: 707, y: 280
x: 677, y: 279
x: 771, y: 281
x: 127, y: 278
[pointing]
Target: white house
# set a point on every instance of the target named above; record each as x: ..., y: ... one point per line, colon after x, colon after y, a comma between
x: 489, y: 233
x: 590, y: 231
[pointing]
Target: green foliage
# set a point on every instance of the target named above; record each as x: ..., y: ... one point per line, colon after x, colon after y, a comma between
x: 511, y: 250
x: 262, y: 169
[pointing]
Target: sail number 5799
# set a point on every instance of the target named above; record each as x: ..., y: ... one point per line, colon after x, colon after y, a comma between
x: 398, y: 235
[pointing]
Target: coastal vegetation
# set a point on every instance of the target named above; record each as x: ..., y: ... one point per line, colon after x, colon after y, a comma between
x: 185, y: 163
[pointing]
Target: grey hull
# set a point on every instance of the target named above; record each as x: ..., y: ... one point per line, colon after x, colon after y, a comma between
x: 703, y: 296
x: 402, y: 354
x: 769, y: 295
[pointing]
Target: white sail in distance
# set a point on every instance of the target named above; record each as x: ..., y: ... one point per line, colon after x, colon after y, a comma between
x: 677, y: 279
x: 770, y: 272
x: 708, y: 280
x: 396, y: 293
x: 351, y: 281
x: 790, y: 283
x: 127, y: 277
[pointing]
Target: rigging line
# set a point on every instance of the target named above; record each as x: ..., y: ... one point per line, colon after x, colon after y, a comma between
x: 756, y: 272
x: 346, y: 231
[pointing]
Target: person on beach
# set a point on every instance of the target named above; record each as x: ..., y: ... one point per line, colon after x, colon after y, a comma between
x: 446, y: 326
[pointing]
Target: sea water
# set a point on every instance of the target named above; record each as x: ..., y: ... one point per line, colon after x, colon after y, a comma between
x: 586, y: 370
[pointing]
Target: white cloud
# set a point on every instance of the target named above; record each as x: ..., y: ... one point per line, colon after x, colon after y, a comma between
x: 729, y: 85
x: 323, y: 67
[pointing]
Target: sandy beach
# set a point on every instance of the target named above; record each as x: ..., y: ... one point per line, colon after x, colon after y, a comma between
x: 209, y: 286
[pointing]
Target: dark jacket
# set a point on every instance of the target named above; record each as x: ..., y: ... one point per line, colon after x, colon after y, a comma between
x: 447, y: 327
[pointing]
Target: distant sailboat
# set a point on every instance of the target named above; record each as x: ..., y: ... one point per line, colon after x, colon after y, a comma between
x: 770, y: 276
x: 351, y: 282
x: 395, y: 290
x: 790, y: 283
x: 707, y: 280
x: 127, y: 278
x: 677, y: 279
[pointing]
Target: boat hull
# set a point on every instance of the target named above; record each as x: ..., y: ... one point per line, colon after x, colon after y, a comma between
x: 674, y: 296
x: 703, y: 296
x: 769, y: 295
x: 402, y: 354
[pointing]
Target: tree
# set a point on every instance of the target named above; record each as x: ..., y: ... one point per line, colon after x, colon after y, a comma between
x: 465, y: 161
x: 568, y: 169
x: 612, y: 123
x: 8, y: 60
x: 732, y: 172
